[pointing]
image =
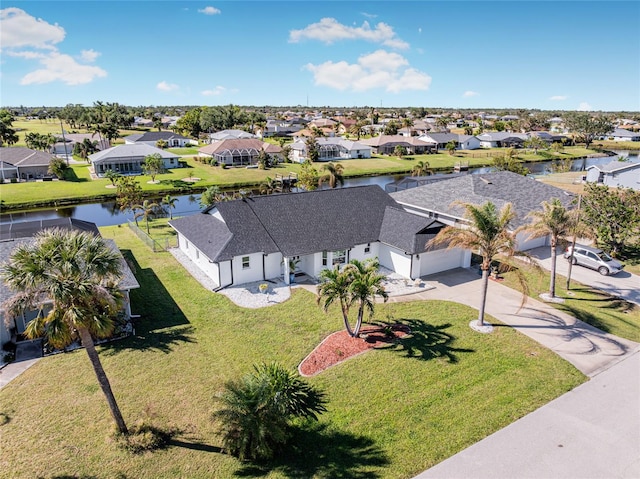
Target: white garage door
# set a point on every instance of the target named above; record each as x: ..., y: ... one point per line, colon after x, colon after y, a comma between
x: 441, y: 260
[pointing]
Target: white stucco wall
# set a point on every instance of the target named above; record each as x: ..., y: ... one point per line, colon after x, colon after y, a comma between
x: 273, y: 266
x: 395, y: 260
x: 524, y: 242
x: 247, y: 275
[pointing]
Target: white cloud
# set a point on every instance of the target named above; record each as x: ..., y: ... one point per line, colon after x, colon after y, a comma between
x: 164, y: 86
x: 329, y: 30
x: 380, y: 69
x: 470, y: 93
x: 558, y: 98
x: 28, y: 55
x: 89, y: 56
x: 19, y: 29
x: 369, y: 15
x: 216, y: 91
x: 61, y: 67
x: 584, y: 106
x: 210, y: 11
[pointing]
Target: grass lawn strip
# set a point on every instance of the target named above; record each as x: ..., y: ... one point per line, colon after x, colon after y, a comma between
x: 392, y: 412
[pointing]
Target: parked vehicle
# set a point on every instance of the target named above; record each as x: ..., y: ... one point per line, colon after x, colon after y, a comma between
x: 594, y: 258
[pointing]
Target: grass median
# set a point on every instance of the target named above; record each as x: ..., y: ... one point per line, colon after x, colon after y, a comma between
x: 392, y: 412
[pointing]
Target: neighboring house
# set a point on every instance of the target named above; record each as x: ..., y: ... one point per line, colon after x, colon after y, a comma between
x: 66, y: 146
x: 239, y: 152
x: 441, y: 140
x: 256, y: 238
x: 15, y: 234
x: 24, y: 163
x: 500, y: 139
x: 617, y: 173
x: 151, y: 138
x: 386, y: 144
x: 331, y: 149
x: 283, y: 127
x: 127, y: 159
x: 622, y: 134
x: 229, y: 135
x: 142, y: 122
x: 439, y: 200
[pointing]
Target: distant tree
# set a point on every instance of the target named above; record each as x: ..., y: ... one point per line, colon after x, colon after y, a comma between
x: 451, y: 147
x: 308, y: 176
x: 85, y: 148
x: 268, y: 186
x: 586, y: 127
x: 128, y: 192
x: 264, y: 160
x: 391, y: 128
x: 421, y: 168
x: 8, y: 135
x: 535, y: 143
x: 112, y: 176
x: 58, y: 167
x: 313, y: 151
x: 211, y: 196
x: 189, y: 123
x: 162, y: 144
x: 39, y: 141
x: 286, y: 153
x: 147, y: 210
x: 170, y: 202
x: 507, y: 162
x: 468, y: 130
x: 400, y: 151
x: 499, y: 125
x: 333, y: 175
x: 153, y: 165
x: 157, y: 123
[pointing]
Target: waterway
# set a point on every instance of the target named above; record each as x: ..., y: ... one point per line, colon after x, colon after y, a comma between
x: 107, y: 213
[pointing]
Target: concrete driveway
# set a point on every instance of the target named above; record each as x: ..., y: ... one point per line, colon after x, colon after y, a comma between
x: 624, y: 284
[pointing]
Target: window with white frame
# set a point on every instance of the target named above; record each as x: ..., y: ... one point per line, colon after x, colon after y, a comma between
x: 325, y: 259
x: 339, y: 257
x: 245, y: 262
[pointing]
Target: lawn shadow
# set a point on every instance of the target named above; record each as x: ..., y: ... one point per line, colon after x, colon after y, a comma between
x: 195, y: 446
x: 161, y: 324
x: 317, y: 451
x: 427, y: 342
x: 177, y: 183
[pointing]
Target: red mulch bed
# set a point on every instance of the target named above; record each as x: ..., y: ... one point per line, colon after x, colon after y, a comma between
x: 340, y: 346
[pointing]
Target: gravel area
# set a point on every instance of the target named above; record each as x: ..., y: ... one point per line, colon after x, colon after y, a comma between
x: 398, y: 285
x: 248, y: 295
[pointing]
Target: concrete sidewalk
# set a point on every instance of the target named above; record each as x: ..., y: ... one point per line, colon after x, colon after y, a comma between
x: 587, y: 348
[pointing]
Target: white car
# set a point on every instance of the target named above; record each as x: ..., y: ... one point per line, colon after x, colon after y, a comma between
x: 593, y: 258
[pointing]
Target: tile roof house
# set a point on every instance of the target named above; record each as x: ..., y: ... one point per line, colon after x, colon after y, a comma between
x: 331, y: 149
x: 150, y: 138
x: 438, y: 200
x: 254, y: 239
x: 617, y: 173
x: 24, y: 163
x: 19, y: 233
x: 239, y: 151
x: 127, y: 159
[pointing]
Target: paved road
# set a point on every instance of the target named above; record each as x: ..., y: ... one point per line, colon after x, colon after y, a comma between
x: 623, y: 284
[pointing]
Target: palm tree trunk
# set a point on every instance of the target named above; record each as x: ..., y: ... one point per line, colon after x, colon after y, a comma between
x: 345, y: 317
x: 87, y: 342
x: 552, y: 281
x: 356, y: 330
x: 483, y: 297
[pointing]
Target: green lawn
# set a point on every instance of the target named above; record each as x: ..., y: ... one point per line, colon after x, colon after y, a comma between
x: 593, y: 306
x: 392, y: 413
x: 83, y: 188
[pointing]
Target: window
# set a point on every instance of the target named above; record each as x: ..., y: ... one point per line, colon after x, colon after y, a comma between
x: 339, y: 257
x: 197, y: 254
x: 245, y: 262
x: 367, y: 249
x: 325, y: 261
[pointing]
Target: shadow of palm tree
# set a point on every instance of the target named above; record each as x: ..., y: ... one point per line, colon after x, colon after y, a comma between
x: 317, y: 451
x: 161, y: 324
x: 427, y: 342
x: 196, y: 446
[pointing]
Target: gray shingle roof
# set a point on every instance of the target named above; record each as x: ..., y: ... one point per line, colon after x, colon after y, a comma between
x: 407, y: 231
x: 21, y: 157
x: 615, y: 166
x: 139, y: 150
x: 501, y: 187
x: 155, y: 136
x: 302, y: 223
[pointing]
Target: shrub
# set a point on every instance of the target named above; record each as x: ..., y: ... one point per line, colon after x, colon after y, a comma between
x: 143, y: 437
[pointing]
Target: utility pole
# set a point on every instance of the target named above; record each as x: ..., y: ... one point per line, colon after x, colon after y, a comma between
x: 573, y: 243
x: 64, y: 141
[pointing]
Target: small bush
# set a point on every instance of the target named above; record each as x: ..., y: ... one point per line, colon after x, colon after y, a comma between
x: 143, y: 437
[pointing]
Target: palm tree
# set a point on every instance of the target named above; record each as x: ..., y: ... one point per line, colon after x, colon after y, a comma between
x: 421, y: 168
x: 451, y: 146
x: 170, y: 201
x: 487, y: 234
x: 554, y: 221
x: 357, y: 282
x: 268, y: 186
x: 333, y: 176
x: 72, y: 275
x: 366, y: 284
x: 147, y: 209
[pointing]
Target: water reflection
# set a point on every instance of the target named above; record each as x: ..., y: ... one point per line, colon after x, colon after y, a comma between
x: 108, y: 213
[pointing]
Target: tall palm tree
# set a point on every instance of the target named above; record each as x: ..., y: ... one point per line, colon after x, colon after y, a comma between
x: 365, y: 285
x: 70, y: 276
x: 170, y: 201
x: 487, y: 234
x: 334, y: 288
x: 555, y: 221
x: 334, y: 175
x: 147, y: 209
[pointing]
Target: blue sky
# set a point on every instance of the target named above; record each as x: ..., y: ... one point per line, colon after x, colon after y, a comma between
x: 550, y: 55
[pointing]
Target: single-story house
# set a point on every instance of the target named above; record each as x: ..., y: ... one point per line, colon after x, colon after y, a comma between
x: 438, y: 200
x: 239, y: 152
x: 617, y: 173
x: 331, y: 149
x: 229, y: 135
x: 622, y: 134
x: 66, y: 146
x: 258, y: 238
x: 441, y: 140
x: 151, y: 138
x: 500, y: 139
x: 15, y: 234
x: 128, y: 159
x: 386, y: 144
x: 24, y: 163
x: 283, y: 127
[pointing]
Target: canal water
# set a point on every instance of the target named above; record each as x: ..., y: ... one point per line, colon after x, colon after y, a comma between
x: 107, y: 213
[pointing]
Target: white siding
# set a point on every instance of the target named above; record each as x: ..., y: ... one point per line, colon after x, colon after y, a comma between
x: 433, y: 262
x: 524, y: 242
x: 395, y: 260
